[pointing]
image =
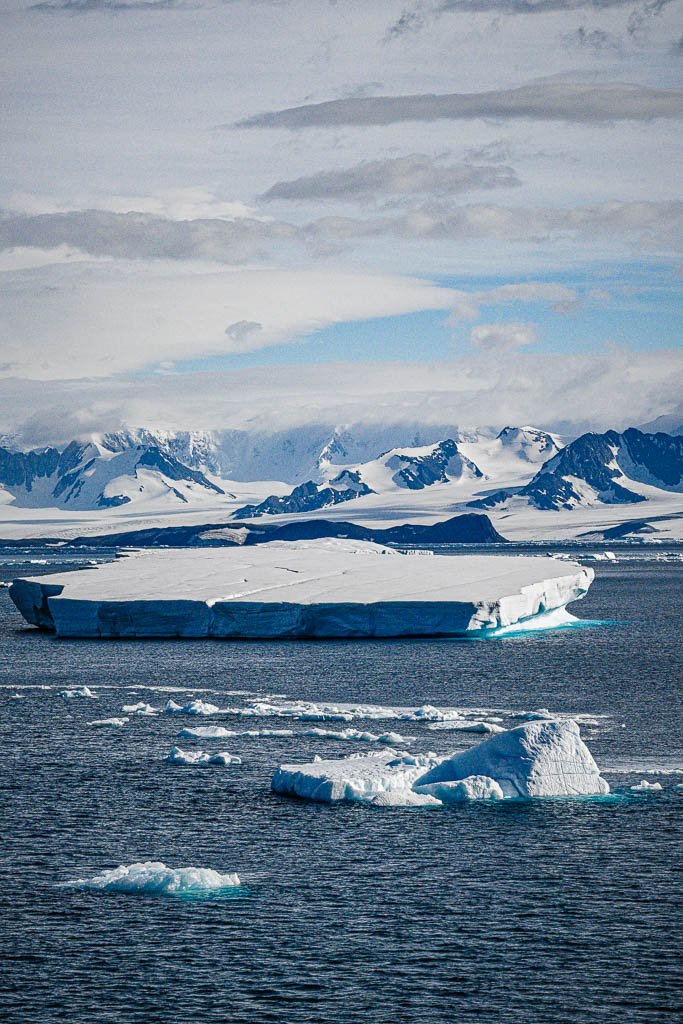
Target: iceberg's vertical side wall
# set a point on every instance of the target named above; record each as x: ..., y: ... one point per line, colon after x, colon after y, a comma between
x: 31, y: 597
x: 532, y: 600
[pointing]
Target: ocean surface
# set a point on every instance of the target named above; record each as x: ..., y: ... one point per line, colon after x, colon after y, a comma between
x: 536, y: 912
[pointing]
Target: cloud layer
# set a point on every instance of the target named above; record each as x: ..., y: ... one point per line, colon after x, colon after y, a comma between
x: 417, y: 174
x: 139, y: 238
x: 614, y: 388
x: 546, y: 101
x: 100, y: 319
x: 144, y: 236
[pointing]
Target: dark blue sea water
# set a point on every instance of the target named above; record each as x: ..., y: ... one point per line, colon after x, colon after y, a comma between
x: 518, y: 913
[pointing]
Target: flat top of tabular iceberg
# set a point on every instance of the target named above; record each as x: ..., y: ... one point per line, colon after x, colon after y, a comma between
x: 539, y: 759
x: 310, y: 572
x: 156, y: 879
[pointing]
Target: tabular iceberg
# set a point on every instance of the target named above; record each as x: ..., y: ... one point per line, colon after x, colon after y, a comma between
x: 539, y: 759
x: 303, y: 589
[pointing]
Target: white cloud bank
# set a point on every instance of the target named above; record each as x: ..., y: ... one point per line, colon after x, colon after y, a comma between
x: 105, y: 318
x: 614, y: 388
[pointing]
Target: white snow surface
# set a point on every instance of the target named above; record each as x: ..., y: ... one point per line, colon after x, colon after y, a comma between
x: 538, y: 759
x: 155, y: 878
x: 305, y: 588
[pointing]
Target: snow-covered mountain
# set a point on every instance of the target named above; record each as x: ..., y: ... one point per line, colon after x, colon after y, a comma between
x: 293, y: 456
x: 517, y: 475
x: 398, y: 469
x: 91, y: 476
x: 609, y: 469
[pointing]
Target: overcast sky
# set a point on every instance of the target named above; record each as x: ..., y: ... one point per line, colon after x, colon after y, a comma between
x: 216, y: 212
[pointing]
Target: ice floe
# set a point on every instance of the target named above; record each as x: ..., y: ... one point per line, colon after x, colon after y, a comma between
x: 155, y: 878
x: 458, y: 718
x: 391, y: 738
x: 647, y: 787
x: 465, y: 726
x: 80, y: 691
x: 195, y: 707
x: 141, y: 708
x: 200, y: 757
x: 538, y: 759
x: 209, y: 732
x: 112, y: 723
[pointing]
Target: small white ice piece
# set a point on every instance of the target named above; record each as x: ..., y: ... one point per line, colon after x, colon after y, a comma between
x: 195, y: 707
x: 155, y: 878
x: 139, y: 709
x: 200, y: 757
x: 80, y: 691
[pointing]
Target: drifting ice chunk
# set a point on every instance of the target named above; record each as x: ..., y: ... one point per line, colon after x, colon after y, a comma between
x: 113, y: 723
x: 646, y: 787
x: 543, y: 758
x: 212, y: 732
x: 302, y: 589
x: 199, y: 757
x: 533, y: 716
x: 155, y: 878
x: 206, y: 732
x: 392, y: 738
x: 195, y: 707
x: 139, y: 709
x: 80, y: 691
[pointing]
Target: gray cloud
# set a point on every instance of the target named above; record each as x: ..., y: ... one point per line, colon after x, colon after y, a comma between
x: 143, y: 235
x: 88, y: 6
x: 654, y: 225
x: 406, y: 175
x: 548, y: 100
x: 242, y: 330
x: 415, y: 18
